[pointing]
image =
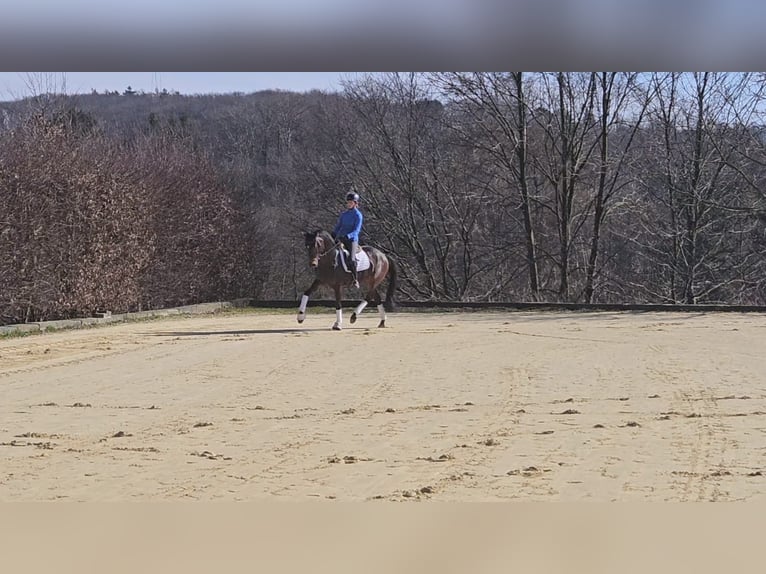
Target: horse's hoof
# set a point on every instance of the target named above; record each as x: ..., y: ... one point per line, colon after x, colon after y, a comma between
x: 353, y: 318
x: 336, y: 327
x: 301, y: 318
x: 382, y: 324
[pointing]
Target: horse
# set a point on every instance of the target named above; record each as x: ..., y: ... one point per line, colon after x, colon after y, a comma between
x: 324, y: 258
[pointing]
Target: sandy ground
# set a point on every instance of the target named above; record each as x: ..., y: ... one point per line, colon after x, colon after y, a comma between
x: 445, y: 406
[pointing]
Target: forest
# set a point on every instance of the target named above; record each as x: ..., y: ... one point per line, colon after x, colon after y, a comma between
x: 592, y: 187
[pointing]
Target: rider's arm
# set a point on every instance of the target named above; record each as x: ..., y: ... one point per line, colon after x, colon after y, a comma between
x: 358, y: 225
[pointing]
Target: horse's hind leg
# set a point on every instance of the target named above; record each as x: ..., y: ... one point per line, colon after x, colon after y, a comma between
x: 381, y: 310
x: 359, y: 309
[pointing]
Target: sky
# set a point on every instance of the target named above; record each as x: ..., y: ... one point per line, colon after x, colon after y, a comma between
x: 237, y: 34
x: 423, y: 35
x: 14, y: 85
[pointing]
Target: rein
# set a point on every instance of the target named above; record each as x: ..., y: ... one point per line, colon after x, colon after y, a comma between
x: 330, y: 250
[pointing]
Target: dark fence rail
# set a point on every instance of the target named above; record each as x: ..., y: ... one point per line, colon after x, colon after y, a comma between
x: 478, y: 305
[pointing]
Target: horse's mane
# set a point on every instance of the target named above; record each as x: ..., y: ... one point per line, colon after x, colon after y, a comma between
x: 321, y: 233
x: 325, y: 235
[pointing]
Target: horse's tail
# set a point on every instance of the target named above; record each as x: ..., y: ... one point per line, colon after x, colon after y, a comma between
x: 389, y: 303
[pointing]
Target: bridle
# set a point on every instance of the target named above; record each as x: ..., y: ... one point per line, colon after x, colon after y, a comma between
x: 320, y: 255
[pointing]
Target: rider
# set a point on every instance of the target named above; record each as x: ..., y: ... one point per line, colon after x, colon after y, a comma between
x: 348, y: 228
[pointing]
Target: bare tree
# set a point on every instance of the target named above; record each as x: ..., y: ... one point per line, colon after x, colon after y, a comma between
x: 620, y: 109
x: 695, y: 203
x: 495, y: 109
x: 416, y: 189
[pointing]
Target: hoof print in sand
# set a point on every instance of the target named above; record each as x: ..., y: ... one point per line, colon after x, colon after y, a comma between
x: 209, y: 455
x: 528, y: 471
x: 417, y: 493
x: 43, y: 445
x: 718, y: 473
x: 489, y: 442
x: 348, y: 459
x: 37, y: 435
x: 441, y: 458
x: 137, y: 448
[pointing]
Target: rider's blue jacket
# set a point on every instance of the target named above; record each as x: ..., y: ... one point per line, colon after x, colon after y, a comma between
x: 349, y: 224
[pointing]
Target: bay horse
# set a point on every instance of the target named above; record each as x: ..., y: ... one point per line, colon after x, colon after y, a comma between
x: 323, y: 253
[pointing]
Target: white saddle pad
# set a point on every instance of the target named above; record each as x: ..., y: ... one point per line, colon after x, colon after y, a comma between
x: 362, y: 260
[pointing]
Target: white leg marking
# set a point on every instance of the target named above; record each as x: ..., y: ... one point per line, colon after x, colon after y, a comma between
x: 338, y: 319
x: 302, y: 308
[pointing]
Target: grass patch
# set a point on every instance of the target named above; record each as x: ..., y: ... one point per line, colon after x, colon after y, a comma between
x: 224, y: 312
x: 17, y: 334
x: 236, y: 311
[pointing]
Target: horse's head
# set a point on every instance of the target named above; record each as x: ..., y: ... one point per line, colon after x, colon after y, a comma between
x: 317, y: 244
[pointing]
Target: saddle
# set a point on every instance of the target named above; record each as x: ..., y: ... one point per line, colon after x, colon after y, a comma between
x: 362, y: 260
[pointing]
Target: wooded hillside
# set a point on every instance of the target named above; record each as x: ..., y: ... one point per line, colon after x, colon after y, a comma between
x: 576, y: 187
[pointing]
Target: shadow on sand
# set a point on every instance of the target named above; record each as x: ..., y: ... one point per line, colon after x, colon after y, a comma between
x: 238, y: 332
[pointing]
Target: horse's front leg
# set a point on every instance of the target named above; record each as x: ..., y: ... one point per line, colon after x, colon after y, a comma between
x: 305, y: 300
x: 338, y: 325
